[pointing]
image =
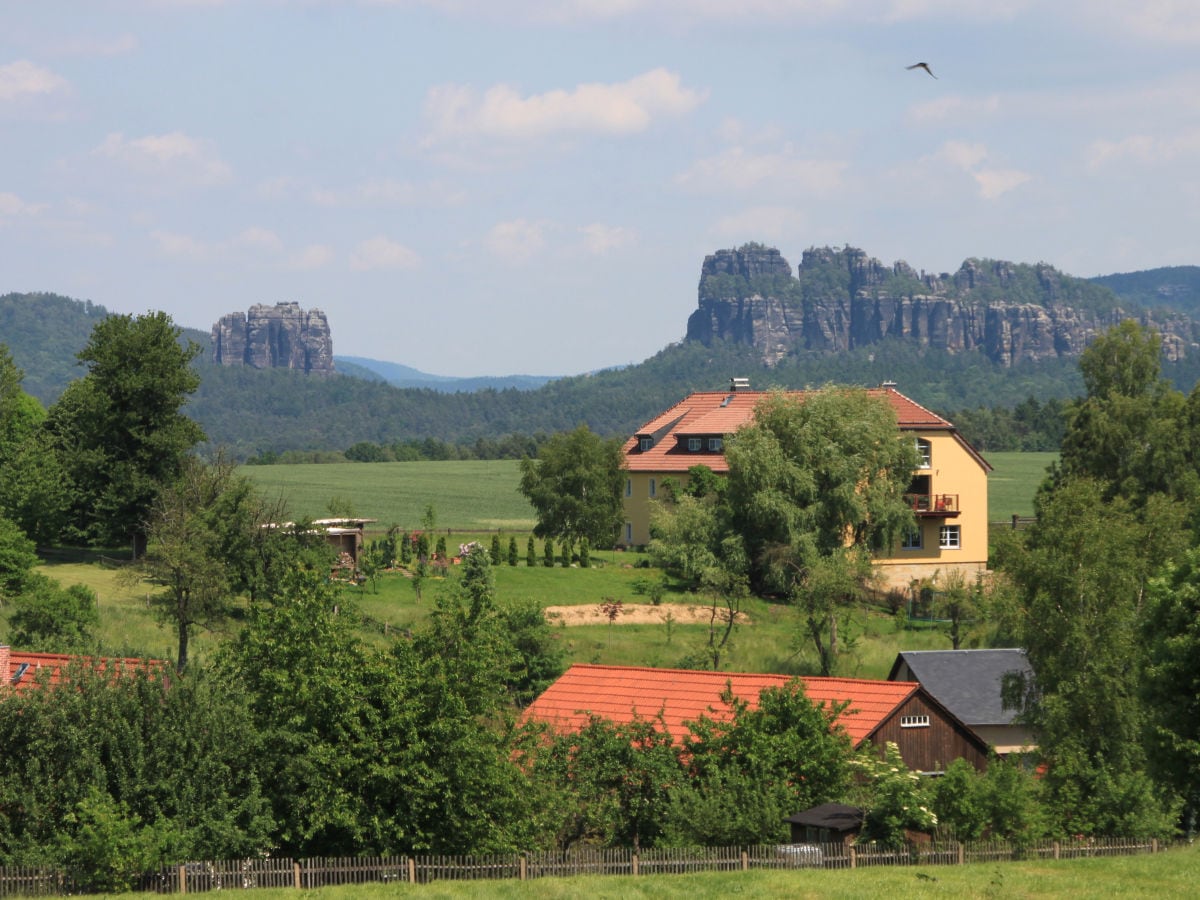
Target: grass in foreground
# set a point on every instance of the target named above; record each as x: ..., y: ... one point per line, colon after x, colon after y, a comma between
x: 1163, y: 875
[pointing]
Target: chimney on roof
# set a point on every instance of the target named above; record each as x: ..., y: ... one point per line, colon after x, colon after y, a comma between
x: 739, y: 384
x: 888, y: 385
x: 4, y: 660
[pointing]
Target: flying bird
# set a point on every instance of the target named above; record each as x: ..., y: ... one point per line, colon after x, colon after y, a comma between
x: 924, y: 66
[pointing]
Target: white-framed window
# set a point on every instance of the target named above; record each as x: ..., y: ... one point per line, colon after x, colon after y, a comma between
x: 628, y: 487
x: 694, y: 445
x: 628, y: 532
x: 911, y: 540
x: 653, y: 488
x: 949, y: 537
x: 924, y: 454
x: 645, y: 443
x: 716, y: 445
x: 914, y: 721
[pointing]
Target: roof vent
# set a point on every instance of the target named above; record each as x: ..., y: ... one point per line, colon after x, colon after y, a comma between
x: 739, y: 384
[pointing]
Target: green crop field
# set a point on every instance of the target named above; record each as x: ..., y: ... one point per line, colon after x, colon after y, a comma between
x: 482, y: 495
x: 478, y: 495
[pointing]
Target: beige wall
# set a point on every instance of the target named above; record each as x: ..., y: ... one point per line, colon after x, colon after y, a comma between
x: 952, y: 470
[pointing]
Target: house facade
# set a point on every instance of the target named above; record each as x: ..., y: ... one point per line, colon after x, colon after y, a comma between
x: 948, y: 492
x: 970, y: 683
x: 927, y: 735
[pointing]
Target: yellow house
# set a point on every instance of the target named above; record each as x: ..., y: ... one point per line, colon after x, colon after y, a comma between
x: 948, y: 492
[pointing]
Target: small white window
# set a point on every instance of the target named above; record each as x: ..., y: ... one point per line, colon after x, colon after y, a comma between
x: 694, y: 445
x: 914, y: 721
x: 628, y: 487
x: 949, y: 537
x: 716, y: 444
x: 653, y: 488
x: 911, y: 540
x: 924, y: 453
x: 645, y: 443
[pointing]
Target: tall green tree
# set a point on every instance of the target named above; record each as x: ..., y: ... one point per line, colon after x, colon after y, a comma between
x: 813, y: 484
x: 1082, y: 576
x: 575, y: 487
x: 119, y: 431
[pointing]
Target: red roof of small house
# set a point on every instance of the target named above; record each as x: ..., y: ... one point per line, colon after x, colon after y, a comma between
x: 619, y: 693
x: 709, y: 414
x: 23, y: 671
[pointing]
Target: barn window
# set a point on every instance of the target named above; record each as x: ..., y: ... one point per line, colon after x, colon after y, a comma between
x: 914, y: 721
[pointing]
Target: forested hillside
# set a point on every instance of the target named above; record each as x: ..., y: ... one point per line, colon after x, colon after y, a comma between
x: 261, y: 412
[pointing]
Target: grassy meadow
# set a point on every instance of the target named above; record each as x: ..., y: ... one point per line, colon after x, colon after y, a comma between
x: 475, y: 499
x: 1169, y: 874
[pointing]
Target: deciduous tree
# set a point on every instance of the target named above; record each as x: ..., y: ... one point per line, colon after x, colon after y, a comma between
x: 575, y: 487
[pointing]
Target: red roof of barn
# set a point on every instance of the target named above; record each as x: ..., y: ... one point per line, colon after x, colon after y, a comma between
x: 707, y: 414
x: 618, y: 693
x: 22, y: 671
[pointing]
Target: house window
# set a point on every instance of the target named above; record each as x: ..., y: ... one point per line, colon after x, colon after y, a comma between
x: 653, y: 488
x: 911, y: 540
x: 628, y: 532
x: 628, y: 487
x: 645, y: 443
x: 924, y: 453
x: 914, y: 721
x: 949, y: 537
x: 694, y: 445
x: 716, y: 444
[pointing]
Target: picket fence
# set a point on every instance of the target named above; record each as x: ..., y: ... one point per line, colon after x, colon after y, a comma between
x: 199, y: 877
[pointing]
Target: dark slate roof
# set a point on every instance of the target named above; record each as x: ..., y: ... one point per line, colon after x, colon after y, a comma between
x: 967, y: 682
x: 834, y: 816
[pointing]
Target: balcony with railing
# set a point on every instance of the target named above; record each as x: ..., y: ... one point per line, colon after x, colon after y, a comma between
x: 934, y: 506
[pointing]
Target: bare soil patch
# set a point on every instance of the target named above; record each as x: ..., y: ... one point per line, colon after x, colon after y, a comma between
x: 637, y: 614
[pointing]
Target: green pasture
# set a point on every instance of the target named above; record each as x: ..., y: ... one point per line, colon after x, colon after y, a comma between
x: 482, y: 495
x: 476, y: 495
x: 474, y: 499
x: 1013, y: 482
x: 1163, y: 875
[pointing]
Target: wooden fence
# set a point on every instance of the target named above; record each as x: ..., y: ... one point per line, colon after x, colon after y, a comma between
x: 199, y: 877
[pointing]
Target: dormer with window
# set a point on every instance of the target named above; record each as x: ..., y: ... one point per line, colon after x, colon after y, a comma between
x: 645, y: 442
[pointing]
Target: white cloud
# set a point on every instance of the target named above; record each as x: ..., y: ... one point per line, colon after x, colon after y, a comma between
x: 388, y: 192
x: 970, y: 158
x: 383, y: 253
x: 773, y: 223
x: 621, y: 108
x: 22, y: 79
x: 599, y: 239
x: 12, y: 207
x: 737, y: 170
x: 314, y: 256
x: 92, y: 46
x: 181, y: 246
x: 994, y: 182
x: 1159, y: 21
x: 516, y: 241
x: 260, y: 239
x: 1143, y: 149
x: 174, y: 156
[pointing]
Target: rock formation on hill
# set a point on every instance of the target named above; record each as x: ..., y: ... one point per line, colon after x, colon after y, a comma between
x: 280, y: 336
x: 842, y: 300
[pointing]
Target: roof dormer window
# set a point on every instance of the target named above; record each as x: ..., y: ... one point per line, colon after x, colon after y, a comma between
x: 645, y: 442
x: 694, y: 444
x: 716, y: 444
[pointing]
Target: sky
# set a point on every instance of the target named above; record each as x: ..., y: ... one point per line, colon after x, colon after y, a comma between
x: 492, y: 187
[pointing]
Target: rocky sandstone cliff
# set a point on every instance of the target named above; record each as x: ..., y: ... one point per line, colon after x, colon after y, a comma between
x: 840, y: 300
x: 279, y: 336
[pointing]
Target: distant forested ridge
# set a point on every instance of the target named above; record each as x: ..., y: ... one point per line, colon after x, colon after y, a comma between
x: 1002, y: 404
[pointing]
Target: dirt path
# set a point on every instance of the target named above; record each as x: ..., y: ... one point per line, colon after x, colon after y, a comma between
x: 635, y: 614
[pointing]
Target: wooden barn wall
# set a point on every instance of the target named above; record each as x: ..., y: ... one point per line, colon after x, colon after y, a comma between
x: 929, y: 749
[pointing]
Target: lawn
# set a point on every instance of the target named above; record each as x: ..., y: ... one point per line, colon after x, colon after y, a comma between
x: 1013, y: 482
x: 1163, y: 875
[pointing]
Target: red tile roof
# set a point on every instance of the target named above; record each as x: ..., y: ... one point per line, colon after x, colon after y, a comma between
x: 618, y: 693
x: 719, y: 413
x: 23, y: 671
